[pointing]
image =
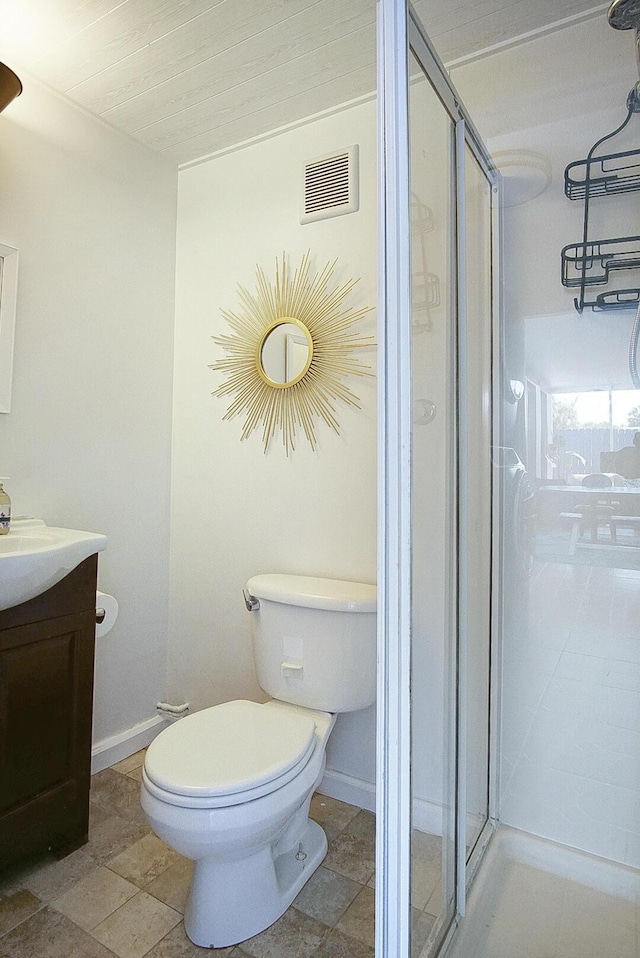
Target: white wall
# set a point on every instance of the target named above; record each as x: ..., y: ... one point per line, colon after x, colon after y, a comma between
x: 555, y: 96
x: 236, y: 511
x: 87, y: 442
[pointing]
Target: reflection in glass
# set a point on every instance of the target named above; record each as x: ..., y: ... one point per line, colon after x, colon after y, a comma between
x: 478, y: 495
x: 433, y: 701
x: 285, y: 353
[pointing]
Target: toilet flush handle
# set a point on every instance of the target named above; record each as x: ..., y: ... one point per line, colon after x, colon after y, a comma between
x: 291, y: 670
x: 250, y: 601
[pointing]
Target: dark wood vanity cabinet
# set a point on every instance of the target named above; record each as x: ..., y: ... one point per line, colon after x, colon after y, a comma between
x: 46, y: 698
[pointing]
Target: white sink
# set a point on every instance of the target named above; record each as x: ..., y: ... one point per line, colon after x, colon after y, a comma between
x: 34, y: 557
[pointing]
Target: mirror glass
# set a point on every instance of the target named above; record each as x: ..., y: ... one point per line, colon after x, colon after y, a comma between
x: 285, y: 354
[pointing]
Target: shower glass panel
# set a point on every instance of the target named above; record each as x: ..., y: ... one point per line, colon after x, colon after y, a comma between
x: 478, y: 493
x: 431, y: 138
x: 435, y: 495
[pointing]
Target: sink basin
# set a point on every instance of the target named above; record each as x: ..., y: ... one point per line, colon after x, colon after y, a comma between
x: 34, y: 557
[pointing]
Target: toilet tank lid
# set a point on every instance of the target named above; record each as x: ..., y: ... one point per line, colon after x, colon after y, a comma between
x: 311, y: 592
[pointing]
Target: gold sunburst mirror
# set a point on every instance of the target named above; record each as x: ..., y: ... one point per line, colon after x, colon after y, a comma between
x: 290, y: 350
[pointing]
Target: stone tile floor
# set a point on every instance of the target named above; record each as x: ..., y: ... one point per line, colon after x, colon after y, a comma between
x: 123, y: 894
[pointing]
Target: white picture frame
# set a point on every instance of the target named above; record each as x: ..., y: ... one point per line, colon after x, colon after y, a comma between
x: 8, y: 295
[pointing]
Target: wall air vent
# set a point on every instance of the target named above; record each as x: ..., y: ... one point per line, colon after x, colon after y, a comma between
x: 330, y: 185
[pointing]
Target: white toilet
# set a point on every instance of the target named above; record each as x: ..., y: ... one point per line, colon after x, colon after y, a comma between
x: 230, y: 786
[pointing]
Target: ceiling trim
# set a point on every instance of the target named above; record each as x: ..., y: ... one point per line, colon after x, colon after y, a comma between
x: 544, y: 31
x: 270, y: 134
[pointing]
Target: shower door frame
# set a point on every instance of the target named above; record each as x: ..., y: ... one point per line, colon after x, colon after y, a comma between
x: 399, y: 31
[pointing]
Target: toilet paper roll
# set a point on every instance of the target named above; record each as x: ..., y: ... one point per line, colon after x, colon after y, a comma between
x: 110, y: 606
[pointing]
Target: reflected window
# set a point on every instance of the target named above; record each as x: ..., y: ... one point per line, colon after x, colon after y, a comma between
x: 590, y: 430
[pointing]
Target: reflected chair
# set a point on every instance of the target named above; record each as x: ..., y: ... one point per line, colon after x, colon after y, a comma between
x: 594, y: 511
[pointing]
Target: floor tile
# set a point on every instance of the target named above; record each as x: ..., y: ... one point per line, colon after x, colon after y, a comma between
x: 434, y: 905
x: 426, y: 866
x: 48, y: 934
x: 295, y: 935
x: 364, y: 825
x: 330, y: 811
x: 421, y: 925
x: 177, y: 945
x: 90, y: 904
x: 327, y: 895
x: 94, y: 897
x: 130, y: 763
x: 15, y: 907
x: 51, y: 878
x: 143, y: 861
x: 136, y: 926
x: 12, y: 879
x: 113, y: 835
x: 97, y: 815
x: 117, y: 794
x: 173, y: 885
x: 338, y: 945
x: 358, y: 920
x: 352, y: 851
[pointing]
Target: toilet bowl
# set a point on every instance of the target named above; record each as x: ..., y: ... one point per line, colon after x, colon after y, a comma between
x: 230, y: 786
x: 248, y: 832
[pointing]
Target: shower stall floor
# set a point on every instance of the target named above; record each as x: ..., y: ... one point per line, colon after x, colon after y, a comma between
x: 536, y: 899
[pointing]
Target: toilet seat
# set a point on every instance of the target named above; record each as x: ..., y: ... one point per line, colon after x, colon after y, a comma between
x: 228, y: 754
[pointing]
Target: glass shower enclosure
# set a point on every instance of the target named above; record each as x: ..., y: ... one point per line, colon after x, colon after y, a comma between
x: 438, y: 491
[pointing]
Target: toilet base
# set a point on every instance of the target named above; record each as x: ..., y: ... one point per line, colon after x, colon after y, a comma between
x: 230, y: 902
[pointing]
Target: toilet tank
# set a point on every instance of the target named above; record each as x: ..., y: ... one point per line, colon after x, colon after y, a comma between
x: 314, y: 641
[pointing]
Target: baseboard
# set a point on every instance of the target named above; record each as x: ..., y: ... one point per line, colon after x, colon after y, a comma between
x: 116, y: 747
x: 427, y: 816
x: 354, y: 791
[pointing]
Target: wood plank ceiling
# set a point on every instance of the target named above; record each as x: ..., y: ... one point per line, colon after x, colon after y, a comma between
x: 191, y: 77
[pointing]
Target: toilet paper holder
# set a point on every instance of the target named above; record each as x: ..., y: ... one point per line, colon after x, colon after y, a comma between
x: 106, y: 613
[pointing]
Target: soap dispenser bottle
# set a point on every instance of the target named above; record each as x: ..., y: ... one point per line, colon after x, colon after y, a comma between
x: 5, y: 510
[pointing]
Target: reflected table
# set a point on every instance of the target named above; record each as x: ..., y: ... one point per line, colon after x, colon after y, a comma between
x: 614, y: 506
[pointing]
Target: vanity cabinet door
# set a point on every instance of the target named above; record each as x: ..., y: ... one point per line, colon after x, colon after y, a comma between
x: 46, y: 688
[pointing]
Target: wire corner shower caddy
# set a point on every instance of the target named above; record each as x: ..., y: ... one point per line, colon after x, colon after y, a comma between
x: 592, y: 262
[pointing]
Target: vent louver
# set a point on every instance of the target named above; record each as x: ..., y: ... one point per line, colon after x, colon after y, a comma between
x: 330, y: 186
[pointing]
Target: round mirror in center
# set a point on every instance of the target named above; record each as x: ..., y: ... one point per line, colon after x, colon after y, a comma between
x: 284, y: 352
